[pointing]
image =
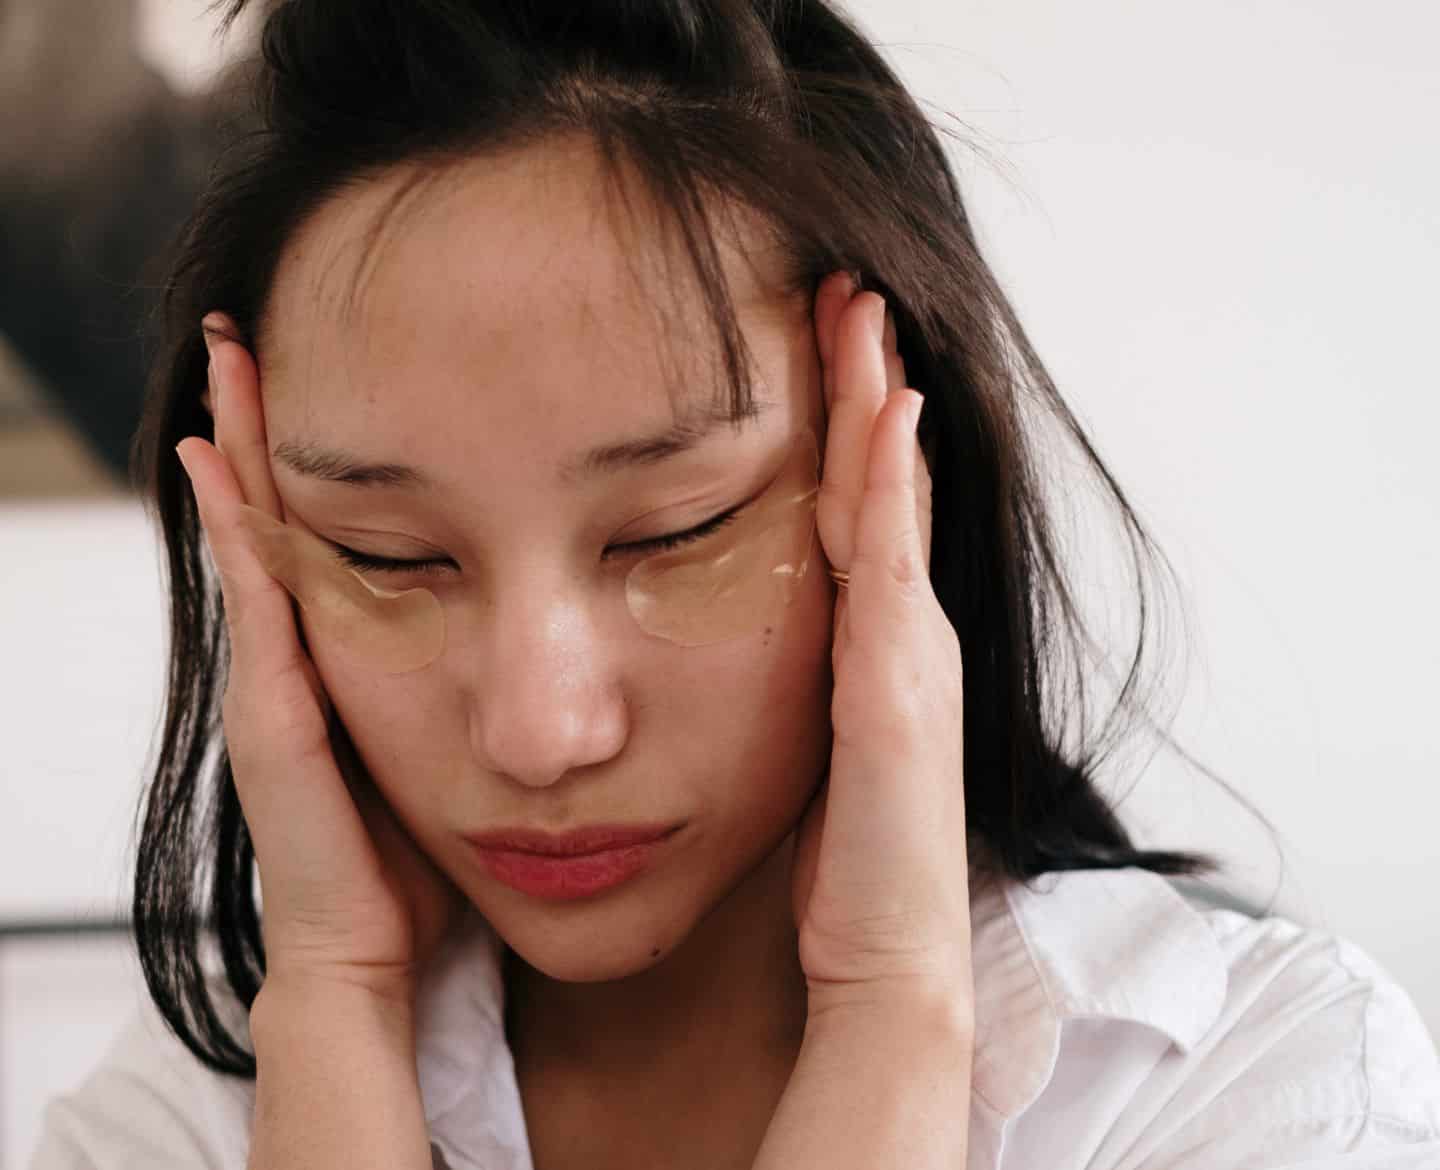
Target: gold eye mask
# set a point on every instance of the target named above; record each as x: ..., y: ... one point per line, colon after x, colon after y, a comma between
x: 734, y: 582
x: 741, y: 578
x: 393, y: 632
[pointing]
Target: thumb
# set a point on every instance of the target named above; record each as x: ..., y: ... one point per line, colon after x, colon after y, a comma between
x: 805, y: 860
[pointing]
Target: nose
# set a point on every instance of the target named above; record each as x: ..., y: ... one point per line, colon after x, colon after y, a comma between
x: 548, y: 697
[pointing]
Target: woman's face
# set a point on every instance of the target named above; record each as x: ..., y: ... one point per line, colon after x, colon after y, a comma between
x: 494, y: 337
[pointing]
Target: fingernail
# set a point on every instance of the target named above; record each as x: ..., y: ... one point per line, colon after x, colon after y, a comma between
x: 917, y: 404
x: 215, y: 328
x: 181, y: 455
x: 877, y: 319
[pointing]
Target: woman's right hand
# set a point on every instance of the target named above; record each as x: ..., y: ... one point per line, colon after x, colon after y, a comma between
x: 348, y: 895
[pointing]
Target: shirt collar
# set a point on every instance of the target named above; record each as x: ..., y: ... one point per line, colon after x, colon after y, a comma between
x: 467, y: 1074
x: 1113, y: 944
x: 1116, y: 944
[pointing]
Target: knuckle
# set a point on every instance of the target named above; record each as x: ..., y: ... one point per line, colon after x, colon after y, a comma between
x: 289, y: 714
x: 295, y: 715
x: 899, y: 563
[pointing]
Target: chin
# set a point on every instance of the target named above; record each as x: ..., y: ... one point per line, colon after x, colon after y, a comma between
x: 576, y: 967
x: 624, y: 931
x: 585, y: 942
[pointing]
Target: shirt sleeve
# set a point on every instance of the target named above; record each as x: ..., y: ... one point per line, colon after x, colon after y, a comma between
x: 149, y: 1103
x: 1319, y: 1061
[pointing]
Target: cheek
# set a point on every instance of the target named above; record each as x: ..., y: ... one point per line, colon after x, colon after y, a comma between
x: 755, y: 708
x: 771, y: 748
x: 393, y: 632
x: 800, y: 681
x: 743, y: 579
x: 390, y: 720
x: 752, y: 715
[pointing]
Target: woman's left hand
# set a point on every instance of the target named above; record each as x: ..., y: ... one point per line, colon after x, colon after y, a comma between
x: 880, y: 880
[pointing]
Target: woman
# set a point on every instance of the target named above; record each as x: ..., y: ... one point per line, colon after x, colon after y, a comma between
x: 594, y: 824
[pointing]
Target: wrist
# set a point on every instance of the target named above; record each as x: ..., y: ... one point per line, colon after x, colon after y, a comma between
x: 943, y: 1009
x: 916, y: 1038
x: 296, y: 1003
x: 337, y: 1082
x: 883, y: 1079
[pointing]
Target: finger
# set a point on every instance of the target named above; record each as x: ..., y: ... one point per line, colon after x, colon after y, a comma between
x: 835, y: 292
x: 805, y: 856
x: 264, y: 651
x: 924, y: 502
x: 240, y: 421
x: 894, y: 363
x: 857, y: 395
x: 895, y: 380
x: 242, y: 437
x: 889, y: 558
x: 278, y: 719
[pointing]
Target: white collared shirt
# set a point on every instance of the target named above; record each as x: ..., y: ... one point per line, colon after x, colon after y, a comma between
x: 1119, y: 1027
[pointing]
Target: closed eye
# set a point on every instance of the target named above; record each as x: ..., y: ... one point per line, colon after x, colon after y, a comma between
x: 676, y: 539
x: 378, y: 564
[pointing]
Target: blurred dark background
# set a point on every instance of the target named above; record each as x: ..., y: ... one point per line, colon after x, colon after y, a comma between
x: 101, y: 157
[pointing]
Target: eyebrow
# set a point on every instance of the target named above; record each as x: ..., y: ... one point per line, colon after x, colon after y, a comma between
x: 314, y: 460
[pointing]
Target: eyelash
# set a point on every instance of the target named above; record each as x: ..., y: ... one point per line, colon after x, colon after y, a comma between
x: 360, y: 560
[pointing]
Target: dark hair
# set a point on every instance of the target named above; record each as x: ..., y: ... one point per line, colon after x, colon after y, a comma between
x: 780, y: 106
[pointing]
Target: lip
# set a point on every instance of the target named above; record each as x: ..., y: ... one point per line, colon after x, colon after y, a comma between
x: 565, y: 866
x: 575, y: 843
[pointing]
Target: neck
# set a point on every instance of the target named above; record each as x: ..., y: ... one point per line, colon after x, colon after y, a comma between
x: 731, y: 997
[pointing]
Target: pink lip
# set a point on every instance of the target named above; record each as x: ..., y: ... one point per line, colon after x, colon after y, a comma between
x: 569, y: 865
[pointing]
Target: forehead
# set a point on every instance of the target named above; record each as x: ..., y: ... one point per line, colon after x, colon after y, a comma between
x: 516, y: 277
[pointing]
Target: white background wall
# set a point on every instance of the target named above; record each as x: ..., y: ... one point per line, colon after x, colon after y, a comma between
x: 1221, y: 226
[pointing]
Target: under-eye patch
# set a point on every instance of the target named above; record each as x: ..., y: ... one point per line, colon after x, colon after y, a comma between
x: 393, y: 632
x: 736, y: 581
x: 741, y: 578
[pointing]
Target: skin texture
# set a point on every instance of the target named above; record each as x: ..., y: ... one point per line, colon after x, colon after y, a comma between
x: 488, y: 348
x: 487, y: 342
